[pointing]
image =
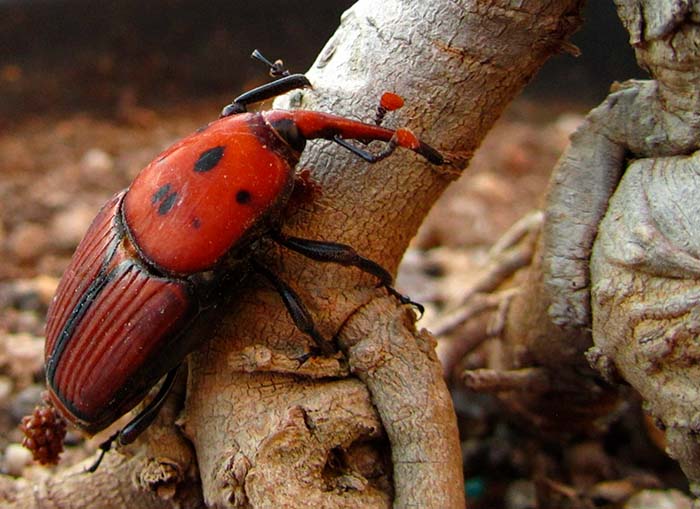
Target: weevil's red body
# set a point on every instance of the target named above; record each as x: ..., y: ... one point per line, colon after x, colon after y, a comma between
x: 116, y: 324
x: 204, y: 194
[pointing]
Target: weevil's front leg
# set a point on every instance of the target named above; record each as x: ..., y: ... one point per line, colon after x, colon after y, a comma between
x: 264, y: 92
x: 284, y: 83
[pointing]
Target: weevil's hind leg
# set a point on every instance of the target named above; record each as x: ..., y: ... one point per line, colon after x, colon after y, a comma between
x: 104, y: 447
x: 296, y: 309
x: 138, y: 424
x: 343, y: 254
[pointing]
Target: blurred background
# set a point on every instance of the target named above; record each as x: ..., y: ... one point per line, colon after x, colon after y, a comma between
x: 91, y: 91
x: 67, y: 55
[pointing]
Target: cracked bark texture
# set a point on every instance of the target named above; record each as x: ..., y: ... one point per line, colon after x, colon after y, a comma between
x: 112, y: 486
x: 614, y: 277
x: 270, y: 433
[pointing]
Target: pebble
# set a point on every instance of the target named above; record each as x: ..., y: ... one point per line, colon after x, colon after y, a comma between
x: 69, y: 226
x: 24, y: 356
x: 28, y: 242
x: 25, y: 400
x: 521, y: 495
x: 15, y: 459
x: 29, y: 322
x: 659, y: 499
x: 6, y: 387
x: 97, y: 160
x: 33, y: 294
x: 45, y: 287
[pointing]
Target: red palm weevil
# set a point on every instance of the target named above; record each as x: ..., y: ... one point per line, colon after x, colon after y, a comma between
x: 157, y: 251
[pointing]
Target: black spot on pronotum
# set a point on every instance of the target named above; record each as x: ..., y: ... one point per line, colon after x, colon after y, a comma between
x: 243, y: 197
x: 160, y: 193
x: 196, y: 223
x: 167, y: 204
x: 165, y: 197
x: 208, y: 159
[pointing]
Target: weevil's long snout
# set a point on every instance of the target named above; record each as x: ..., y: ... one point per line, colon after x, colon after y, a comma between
x: 300, y: 125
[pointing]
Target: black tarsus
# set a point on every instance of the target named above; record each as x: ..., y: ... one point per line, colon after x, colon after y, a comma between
x: 276, y: 68
x: 380, y: 114
x: 284, y: 83
x: 104, y: 447
x: 342, y: 254
x: 432, y: 155
x: 138, y: 424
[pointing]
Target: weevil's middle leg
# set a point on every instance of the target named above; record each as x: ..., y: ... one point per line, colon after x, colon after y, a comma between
x: 296, y: 309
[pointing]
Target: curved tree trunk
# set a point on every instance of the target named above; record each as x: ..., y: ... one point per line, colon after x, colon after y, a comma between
x: 456, y: 79
x: 270, y: 433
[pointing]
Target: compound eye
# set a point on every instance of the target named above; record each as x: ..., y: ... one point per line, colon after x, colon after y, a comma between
x: 290, y: 133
